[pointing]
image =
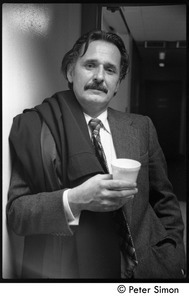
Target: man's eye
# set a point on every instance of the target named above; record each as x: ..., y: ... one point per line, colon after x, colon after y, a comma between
x: 110, y: 70
x: 90, y: 66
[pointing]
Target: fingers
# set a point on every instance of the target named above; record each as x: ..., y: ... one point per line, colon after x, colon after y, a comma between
x: 108, y: 182
x: 118, y: 185
x: 116, y: 189
x: 116, y: 194
x: 103, y: 176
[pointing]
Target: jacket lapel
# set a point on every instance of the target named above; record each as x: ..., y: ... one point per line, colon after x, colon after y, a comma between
x: 125, y: 135
x: 126, y: 142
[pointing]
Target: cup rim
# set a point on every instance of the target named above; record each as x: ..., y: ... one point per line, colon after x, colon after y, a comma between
x: 138, y: 164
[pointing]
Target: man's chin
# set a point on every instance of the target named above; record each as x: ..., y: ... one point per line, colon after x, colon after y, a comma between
x: 97, y: 98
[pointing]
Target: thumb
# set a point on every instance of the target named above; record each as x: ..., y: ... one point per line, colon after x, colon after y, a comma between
x: 106, y: 176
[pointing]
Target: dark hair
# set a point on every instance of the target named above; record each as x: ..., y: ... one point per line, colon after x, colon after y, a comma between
x: 71, y: 56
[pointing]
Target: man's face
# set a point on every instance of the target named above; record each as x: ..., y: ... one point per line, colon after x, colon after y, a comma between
x: 95, y: 76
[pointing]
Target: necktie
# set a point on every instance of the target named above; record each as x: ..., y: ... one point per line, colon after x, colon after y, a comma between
x: 126, y: 242
x: 95, y: 125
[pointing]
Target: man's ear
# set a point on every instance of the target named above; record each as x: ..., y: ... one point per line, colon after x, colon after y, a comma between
x: 70, y: 73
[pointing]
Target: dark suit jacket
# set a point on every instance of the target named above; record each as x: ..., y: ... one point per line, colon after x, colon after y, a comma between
x: 154, y: 216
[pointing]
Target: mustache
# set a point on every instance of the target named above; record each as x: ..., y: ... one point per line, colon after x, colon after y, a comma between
x: 96, y: 86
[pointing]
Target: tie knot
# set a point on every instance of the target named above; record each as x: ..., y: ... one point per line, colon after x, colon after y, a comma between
x: 95, y: 125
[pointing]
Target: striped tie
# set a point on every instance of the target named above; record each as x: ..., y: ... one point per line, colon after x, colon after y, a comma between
x: 95, y: 125
x: 126, y: 242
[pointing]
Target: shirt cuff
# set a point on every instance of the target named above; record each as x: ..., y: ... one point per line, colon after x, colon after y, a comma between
x: 70, y: 217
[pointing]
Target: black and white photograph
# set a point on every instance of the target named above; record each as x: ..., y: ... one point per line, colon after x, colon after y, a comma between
x: 94, y: 164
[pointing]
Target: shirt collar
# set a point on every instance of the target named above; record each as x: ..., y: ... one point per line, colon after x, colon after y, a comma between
x: 102, y: 117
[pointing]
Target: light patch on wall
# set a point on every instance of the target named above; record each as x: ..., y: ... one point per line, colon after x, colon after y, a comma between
x: 29, y: 18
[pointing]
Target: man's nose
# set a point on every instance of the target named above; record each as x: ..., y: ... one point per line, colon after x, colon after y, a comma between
x: 99, y: 73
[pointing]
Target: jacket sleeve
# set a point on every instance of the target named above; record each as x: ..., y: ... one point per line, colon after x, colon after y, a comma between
x: 30, y: 214
x: 162, y: 198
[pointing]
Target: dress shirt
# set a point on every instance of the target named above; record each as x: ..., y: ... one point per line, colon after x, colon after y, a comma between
x: 109, y: 150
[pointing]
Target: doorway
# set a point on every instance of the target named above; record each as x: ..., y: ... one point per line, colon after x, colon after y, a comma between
x: 163, y: 106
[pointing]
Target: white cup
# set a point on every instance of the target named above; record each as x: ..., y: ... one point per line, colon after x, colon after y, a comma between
x: 125, y: 169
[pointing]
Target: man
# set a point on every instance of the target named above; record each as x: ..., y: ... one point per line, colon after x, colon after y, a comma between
x: 77, y: 221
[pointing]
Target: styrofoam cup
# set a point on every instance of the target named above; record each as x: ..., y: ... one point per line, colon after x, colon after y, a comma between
x: 125, y: 169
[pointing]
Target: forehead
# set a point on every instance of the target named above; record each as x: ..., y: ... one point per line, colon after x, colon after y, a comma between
x: 103, y: 51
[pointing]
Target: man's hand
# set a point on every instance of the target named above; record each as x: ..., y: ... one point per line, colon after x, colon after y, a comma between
x: 101, y: 194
